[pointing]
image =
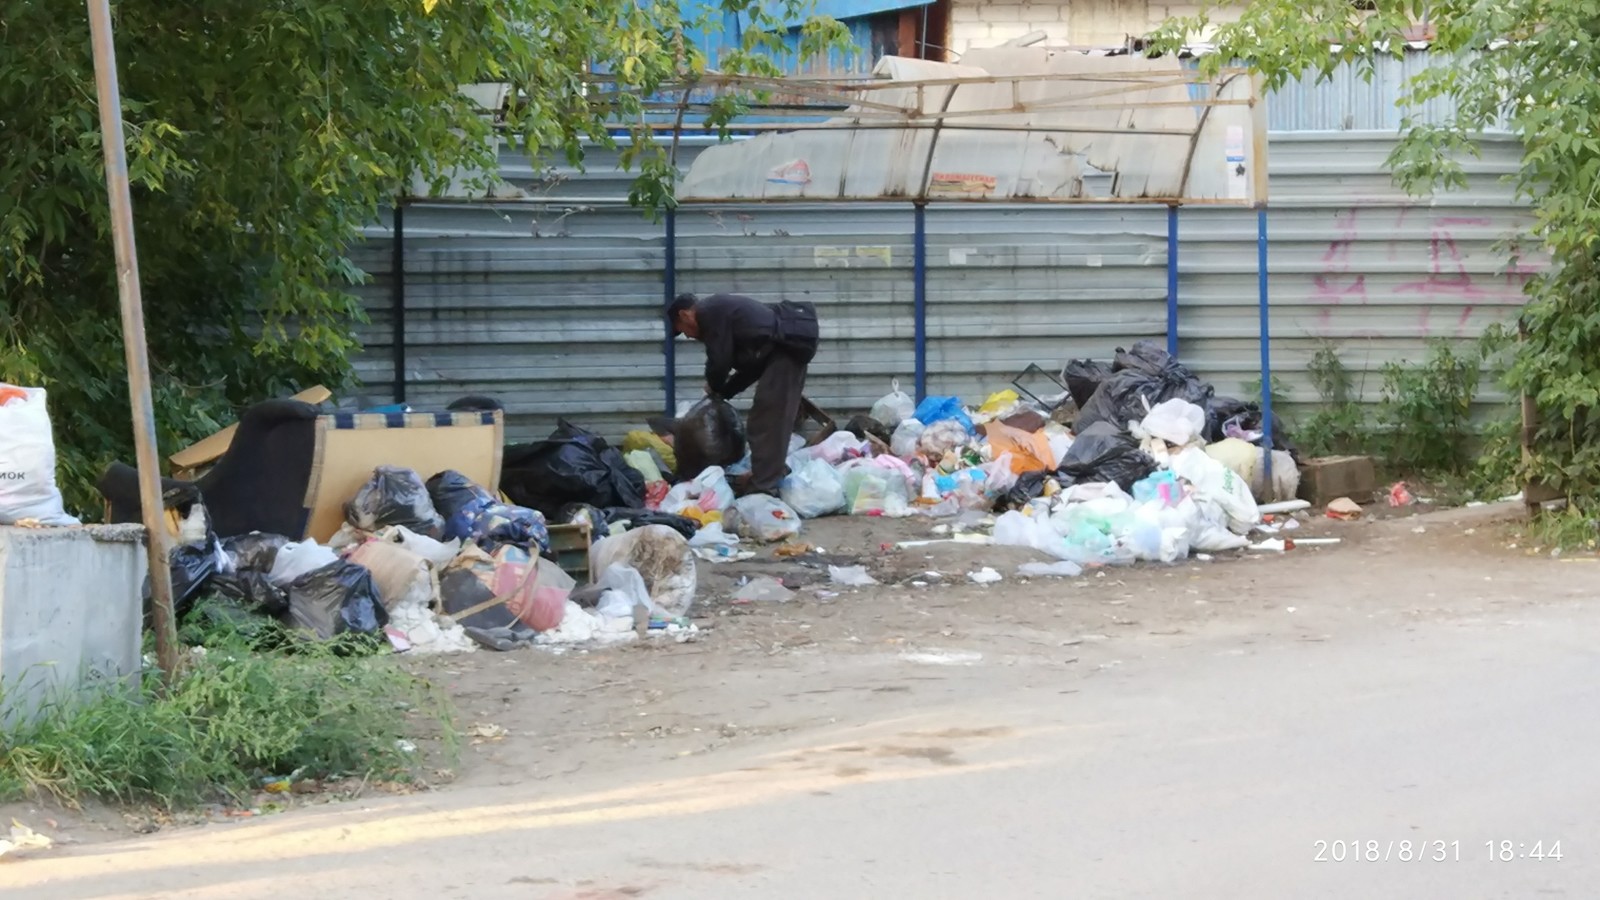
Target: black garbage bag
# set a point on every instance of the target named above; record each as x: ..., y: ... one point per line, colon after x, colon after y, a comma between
x: 471, y: 513
x: 193, y: 567
x: 864, y: 427
x: 1145, y: 356
x: 253, y: 591
x: 1244, y: 417
x: 711, y: 434
x: 571, y: 466
x: 336, y: 599
x: 1144, y: 376
x: 575, y: 513
x: 248, y: 559
x: 1083, y: 378
x: 1029, y: 485
x: 394, y: 496
x: 639, y: 518
x: 1102, y: 454
x: 255, y: 552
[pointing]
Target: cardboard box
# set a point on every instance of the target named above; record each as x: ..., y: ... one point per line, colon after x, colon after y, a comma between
x: 1331, y: 477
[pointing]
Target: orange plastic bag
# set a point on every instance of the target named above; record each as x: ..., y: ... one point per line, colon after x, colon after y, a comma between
x: 1030, y: 451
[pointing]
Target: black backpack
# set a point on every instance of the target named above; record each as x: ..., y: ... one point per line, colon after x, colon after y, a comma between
x: 798, y: 330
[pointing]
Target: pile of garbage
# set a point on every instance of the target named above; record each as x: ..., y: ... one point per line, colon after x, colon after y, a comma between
x: 445, y: 566
x: 1137, y: 460
x: 1153, y: 465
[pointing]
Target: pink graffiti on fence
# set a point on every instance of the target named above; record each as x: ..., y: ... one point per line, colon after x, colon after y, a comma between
x: 1447, y: 283
x: 1335, y: 283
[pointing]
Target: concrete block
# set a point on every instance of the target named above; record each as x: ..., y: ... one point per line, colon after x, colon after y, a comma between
x: 1002, y: 12
x: 1331, y: 477
x: 71, y: 611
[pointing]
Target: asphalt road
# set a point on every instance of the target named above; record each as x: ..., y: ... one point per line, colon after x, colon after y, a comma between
x: 1398, y: 762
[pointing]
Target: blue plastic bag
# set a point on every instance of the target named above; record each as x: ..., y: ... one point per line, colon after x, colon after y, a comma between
x: 1161, y: 485
x: 471, y: 513
x: 938, y: 409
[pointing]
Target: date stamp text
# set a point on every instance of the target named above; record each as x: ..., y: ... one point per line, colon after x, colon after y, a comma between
x: 1433, y: 851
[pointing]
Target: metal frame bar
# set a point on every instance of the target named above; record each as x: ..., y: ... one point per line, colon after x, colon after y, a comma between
x: 397, y: 300
x: 919, y: 295
x: 1172, y: 280
x: 669, y: 290
x: 1258, y: 176
x: 1266, y: 345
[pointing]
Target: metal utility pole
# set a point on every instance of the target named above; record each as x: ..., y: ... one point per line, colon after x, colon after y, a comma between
x: 144, y: 422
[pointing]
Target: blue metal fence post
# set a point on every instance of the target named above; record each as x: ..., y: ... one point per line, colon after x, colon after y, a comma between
x: 1172, y: 280
x: 669, y: 290
x: 397, y: 299
x: 1266, y: 347
x: 919, y: 294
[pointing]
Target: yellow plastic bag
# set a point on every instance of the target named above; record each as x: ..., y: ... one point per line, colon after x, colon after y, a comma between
x: 1239, y: 456
x: 999, y: 404
x: 644, y: 440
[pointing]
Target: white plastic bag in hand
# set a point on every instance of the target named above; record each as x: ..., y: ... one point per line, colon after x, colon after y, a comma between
x: 28, y: 461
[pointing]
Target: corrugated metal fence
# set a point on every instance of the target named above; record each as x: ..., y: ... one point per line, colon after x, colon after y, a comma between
x: 554, y: 308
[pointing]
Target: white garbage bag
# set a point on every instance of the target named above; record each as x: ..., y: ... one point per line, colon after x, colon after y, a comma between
x: 1176, y: 421
x: 813, y: 489
x: 761, y: 517
x: 28, y: 460
x: 907, y: 435
x: 294, y: 560
x: 1216, y: 483
x: 661, y: 556
x: 709, y: 491
x: 622, y: 589
x: 894, y: 407
x: 1013, y: 529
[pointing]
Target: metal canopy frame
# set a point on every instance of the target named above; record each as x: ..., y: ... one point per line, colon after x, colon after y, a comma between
x: 864, y: 109
x: 1070, y: 111
x: 799, y: 105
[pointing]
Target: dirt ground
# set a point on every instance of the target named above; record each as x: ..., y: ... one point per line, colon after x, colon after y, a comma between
x: 767, y: 672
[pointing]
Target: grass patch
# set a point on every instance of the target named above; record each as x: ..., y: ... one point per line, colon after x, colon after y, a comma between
x: 1568, y: 528
x: 250, y: 702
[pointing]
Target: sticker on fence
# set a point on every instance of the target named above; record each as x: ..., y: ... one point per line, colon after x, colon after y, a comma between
x: 857, y: 257
x: 961, y: 184
x: 795, y: 172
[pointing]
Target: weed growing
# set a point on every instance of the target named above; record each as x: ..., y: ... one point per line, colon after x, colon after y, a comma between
x: 1339, y: 426
x: 235, y: 714
x: 1570, y: 528
x: 1426, y: 411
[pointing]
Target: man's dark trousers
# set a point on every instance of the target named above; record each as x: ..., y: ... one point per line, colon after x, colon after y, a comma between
x: 774, y: 415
